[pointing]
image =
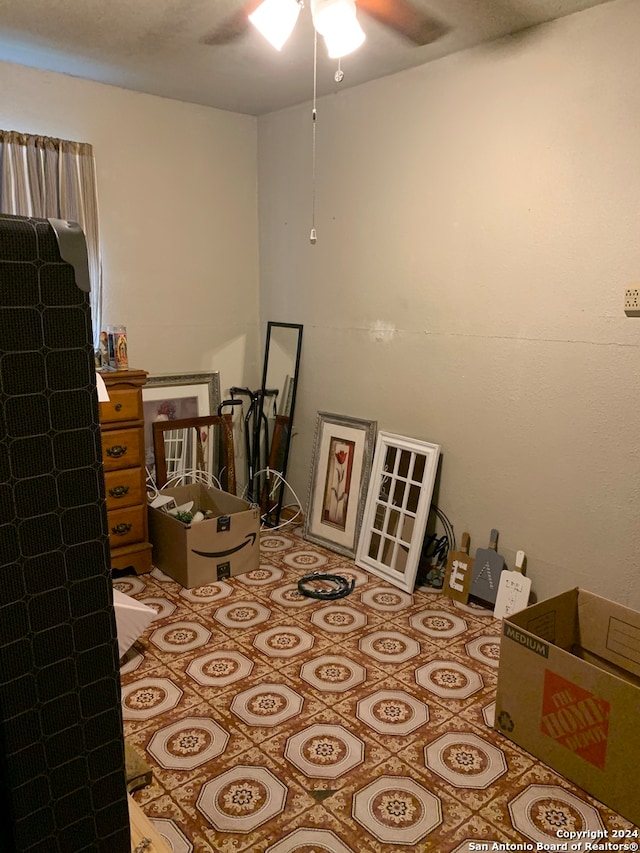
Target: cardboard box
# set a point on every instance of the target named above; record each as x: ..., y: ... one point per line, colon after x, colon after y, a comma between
x: 569, y: 692
x: 208, y: 551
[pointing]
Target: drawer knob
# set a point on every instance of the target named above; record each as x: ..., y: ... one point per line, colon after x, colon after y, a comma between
x: 118, y: 406
x: 119, y: 491
x: 121, y: 529
x: 116, y: 451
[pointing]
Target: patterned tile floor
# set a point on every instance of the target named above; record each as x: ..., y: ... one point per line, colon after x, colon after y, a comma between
x: 278, y: 723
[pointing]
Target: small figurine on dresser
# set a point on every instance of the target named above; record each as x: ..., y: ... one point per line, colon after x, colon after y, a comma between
x: 117, y: 356
x: 104, y: 349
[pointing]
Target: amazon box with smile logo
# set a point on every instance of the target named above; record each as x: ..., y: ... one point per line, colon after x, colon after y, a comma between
x: 569, y: 692
x: 223, y: 545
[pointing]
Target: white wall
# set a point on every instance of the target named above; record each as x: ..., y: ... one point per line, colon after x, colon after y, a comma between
x: 177, y: 188
x: 478, y: 222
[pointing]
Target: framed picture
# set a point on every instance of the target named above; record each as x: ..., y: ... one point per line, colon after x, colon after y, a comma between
x: 340, y: 467
x: 170, y: 398
x: 397, y: 508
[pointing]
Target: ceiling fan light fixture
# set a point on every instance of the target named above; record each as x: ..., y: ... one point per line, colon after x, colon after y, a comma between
x: 344, y: 41
x: 275, y: 20
x: 336, y: 21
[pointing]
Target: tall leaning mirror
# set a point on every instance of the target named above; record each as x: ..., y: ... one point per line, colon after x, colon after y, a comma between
x: 278, y: 395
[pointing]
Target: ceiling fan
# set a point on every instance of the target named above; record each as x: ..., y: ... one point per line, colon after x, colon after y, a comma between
x: 334, y: 19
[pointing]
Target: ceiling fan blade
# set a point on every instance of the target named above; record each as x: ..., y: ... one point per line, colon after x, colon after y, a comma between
x: 234, y: 26
x: 405, y: 18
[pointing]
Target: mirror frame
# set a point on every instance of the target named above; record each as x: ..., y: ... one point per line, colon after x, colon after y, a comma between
x: 273, y: 509
x: 397, y: 508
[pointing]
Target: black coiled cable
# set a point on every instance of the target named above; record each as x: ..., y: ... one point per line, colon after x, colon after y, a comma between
x: 341, y: 586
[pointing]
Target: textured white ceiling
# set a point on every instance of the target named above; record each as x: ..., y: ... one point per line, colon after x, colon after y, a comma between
x: 158, y: 46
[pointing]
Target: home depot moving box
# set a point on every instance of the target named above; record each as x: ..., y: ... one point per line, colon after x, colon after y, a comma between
x: 569, y: 692
x: 204, y: 552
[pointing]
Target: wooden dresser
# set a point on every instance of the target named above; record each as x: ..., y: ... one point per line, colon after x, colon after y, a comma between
x: 122, y: 424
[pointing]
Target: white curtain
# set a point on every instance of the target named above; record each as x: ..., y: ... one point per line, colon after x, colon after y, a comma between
x: 44, y: 177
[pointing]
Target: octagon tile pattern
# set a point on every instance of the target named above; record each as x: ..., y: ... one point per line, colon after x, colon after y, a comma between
x: 392, y: 712
x: 338, y: 619
x: 130, y: 585
x: 262, y: 576
x: 389, y: 646
x: 241, y: 799
x: 175, y: 839
x: 320, y: 840
x: 284, y: 642
x: 180, y: 637
x: 273, y: 722
x: 163, y: 607
x: 188, y: 743
x: 242, y: 614
x: 289, y: 596
x: 211, y: 592
x: 219, y: 668
x: 397, y: 810
x: 149, y: 697
x: 386, y: 599
x: 267, y: 704
x: 438, y: 624
x: 465, y: 760
x: 333, y: 673
x: 485, y: 649
x: 449, y: 679
x: 324, y: 752
x: 541, y: 810
x: 306, y: 561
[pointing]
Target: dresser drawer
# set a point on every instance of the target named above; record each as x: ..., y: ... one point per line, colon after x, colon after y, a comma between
x: 124, y: 488
x: 126, y: 525
x: 123, y: 461
x: 125, y: 404
x: 122, y: 448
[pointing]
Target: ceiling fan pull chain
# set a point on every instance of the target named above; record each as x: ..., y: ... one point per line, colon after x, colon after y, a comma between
x: 314, y: 116
x: 339, y: 75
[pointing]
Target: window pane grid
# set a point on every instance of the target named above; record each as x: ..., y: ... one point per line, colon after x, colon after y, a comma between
x: 397, y: 508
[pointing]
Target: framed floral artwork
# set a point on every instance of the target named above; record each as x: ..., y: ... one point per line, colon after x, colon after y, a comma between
x: 184, y: 395
x: 340, y: 470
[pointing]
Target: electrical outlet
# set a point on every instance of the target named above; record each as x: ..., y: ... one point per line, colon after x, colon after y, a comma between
x: 632, y: 301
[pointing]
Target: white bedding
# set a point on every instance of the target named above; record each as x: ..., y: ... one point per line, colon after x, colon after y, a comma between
x: 132, y: 617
